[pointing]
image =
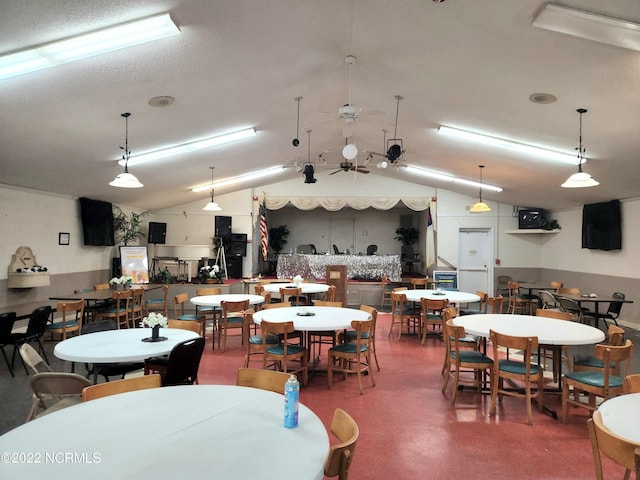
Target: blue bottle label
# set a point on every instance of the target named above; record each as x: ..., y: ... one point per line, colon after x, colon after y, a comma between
x: 291, y: 403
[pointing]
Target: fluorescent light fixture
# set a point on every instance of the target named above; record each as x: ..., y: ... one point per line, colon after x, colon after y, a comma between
x: 240, y: 178
x: 592, y: 26
x: 508, y: 145
x: 87, y: 45
x: 443, y: 177
x: 192, y: 146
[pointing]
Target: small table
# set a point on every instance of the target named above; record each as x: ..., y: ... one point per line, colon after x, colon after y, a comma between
x: 119, y: 346
x: 597, y: 300
x: 621, y: 415
x: 190, y: 431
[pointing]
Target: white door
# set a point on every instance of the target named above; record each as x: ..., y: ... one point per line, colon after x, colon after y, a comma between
x: 475, y: 252
x: 341, y: 234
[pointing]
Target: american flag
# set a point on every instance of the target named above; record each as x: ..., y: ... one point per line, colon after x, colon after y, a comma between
x: 264, y: 231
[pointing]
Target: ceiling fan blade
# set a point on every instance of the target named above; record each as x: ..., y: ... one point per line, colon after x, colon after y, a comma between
x: 337, y: 171
x: 362, y: 170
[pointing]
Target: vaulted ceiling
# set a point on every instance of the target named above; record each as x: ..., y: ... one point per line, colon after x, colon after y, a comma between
x: 242, y: 63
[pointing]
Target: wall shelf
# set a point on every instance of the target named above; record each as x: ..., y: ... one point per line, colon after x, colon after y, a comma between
x: 24, y: 258
x: 530, y: 231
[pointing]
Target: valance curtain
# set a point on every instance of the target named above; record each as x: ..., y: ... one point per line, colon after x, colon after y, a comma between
x: 335, y: 204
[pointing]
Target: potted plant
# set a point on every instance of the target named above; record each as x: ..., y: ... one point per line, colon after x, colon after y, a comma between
x: 278, y: 238
x: 164, y: 277
x: 407, y: 235
x: 127, y: 227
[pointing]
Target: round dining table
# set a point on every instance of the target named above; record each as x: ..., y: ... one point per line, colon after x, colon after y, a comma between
x: 214, y: 300
x: 451, y: 295
x: 306, y: 288
x: 621, y: 415
x: 550, y: 331
x: 309, y: 319
x: 189, y: 431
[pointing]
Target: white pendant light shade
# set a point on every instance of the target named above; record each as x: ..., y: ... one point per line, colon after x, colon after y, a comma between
x: 212, y: 206
x: 580, y: 179
x: 126, y: 179
x: 480, y: 206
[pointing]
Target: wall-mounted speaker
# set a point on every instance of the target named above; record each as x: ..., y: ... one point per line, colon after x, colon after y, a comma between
x: 157, y: 233
x: 223, y: 226
x: 238, y: 245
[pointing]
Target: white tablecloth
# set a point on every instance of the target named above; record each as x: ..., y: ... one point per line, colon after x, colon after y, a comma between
x: 621, y: 415
x: 305, y: 287
x: 214, y: 300
x: 186, y: 432
x: 452, y: 296
x: 324, y: 318
x: 550, y: 331
x: 118, y: 346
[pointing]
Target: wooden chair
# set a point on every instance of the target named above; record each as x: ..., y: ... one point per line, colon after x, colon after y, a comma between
x: 330, y: 295
x: 387, y: 287
x: 495, y: 304
x: 119, y: 311
x: 253, y: 344
x: 136, y: 307
x: 101, y: 286
x: 621, y: 451
x: 431, y: 316
x: 320, y: 337
x: 68, y: 319
x: 210, y: 313
x: 341, y: 454
x: 601, y: 384
x: 459, y: 359
x: 270, y: 380
x: 231, y: 317
x: 159, y: 304
x: 518, y: 302
x: 555, y: 284
x: 584, y: 363
x: 401, y: 313
x: 53, y: 391
x: 419, y: 283
x: 353, y: 357
x: 632, y: 383
x: 568, y: 291
x: 180, y: 312
x: 513, y: 370
x: 190, y: 325
x: 284, y: 353
x: 292, y: 295
x: 556, y: 352
x: 481, y: 305
x: 351, y: 334
x: 121, y: 386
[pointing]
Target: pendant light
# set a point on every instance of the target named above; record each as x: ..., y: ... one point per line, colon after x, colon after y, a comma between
x: 580, y: 179
x: 480, y: 206
x: 126, y: 179
x: 212, y: 206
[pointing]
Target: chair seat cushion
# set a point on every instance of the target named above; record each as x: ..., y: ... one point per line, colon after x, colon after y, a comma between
x: 58, y: 325
x: 590, y: 361
x: 467, y: 339
x: 595, y: 379
x: 348, y: 348
x: 234, y: 320
x: 352, y: 335
x: 434, y: 316
x: 518, y: 368
x: 291, y: 349
x: 154, y: 300
x: 472, y: 356
x: 115, y: 310
x: 257, y: 339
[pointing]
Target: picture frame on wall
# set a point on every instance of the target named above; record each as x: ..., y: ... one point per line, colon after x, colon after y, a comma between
x: 63, y: 238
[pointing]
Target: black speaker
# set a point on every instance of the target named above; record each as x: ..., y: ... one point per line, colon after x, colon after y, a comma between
x: 116, y: 267
x: 238, y: 245
x: 157, y: 233
x: 223, y: 226
x: 234, y: 267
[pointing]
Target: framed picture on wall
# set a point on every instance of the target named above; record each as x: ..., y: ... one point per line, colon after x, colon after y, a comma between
x: 63, y: 238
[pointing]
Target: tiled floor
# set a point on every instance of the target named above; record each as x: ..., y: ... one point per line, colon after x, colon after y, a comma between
x: 408, y: 428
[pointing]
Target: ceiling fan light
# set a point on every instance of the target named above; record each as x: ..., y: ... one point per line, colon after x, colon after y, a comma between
x: 350, y: 151
x: 479, y: 207
x: 126, y: 180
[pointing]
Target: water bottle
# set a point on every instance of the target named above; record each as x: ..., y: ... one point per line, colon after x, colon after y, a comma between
x: 291, y: 401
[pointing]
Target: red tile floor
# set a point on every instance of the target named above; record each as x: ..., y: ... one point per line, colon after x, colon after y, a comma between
x: 410, y: 430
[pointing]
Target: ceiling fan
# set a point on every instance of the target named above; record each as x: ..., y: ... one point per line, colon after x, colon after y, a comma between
x: 347, y: 166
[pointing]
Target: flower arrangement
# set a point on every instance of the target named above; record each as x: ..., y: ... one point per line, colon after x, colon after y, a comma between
x: 34, y: 269
x: 297, y: 280
x: 124, y: 279
x: 212, y: 272
x: 154, y: 319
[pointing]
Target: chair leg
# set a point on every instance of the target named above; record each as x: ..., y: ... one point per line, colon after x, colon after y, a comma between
x: 6, y: 360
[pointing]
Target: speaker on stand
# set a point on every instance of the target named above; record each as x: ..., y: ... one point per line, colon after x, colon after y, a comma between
x: 238, y: 246
x: 234, y: 267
